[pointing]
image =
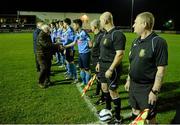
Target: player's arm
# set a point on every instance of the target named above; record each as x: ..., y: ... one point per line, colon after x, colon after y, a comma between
x: 119, y: 45
x: 70, y: 45
x: 90, y: 44
x: 159, y: 78
x: 117, y: 59
x: 157, y: 84
x: 128, y: 81
x: 161, y: 57
x: 73, y: 43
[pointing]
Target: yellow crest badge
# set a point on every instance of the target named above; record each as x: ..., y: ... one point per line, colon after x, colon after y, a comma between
x: 105, y: 41
x: 142, y: 53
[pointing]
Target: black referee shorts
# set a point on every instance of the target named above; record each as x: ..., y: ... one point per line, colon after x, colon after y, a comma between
x: 138, y: 98
x: 114, y: 81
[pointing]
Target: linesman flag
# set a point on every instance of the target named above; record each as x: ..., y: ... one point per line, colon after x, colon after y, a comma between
x: 91, y: 81
x: 140, y: 119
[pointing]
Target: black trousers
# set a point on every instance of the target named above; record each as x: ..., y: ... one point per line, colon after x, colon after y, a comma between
x: 44, y: 61
x: 37, y: 64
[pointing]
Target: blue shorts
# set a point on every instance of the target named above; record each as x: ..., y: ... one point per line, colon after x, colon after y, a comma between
x: 84, y: 60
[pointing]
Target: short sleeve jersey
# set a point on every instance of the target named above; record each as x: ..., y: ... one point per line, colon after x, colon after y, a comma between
x: 111, y: 42
x: 145, y: 55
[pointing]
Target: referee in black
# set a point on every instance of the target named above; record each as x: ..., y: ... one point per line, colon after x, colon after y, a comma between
x: 95, y: 52
x: 112, y: 48
x: 148, y: 59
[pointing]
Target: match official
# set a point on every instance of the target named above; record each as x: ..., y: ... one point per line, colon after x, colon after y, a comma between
x: 112, y: 48
x: 148, y: 59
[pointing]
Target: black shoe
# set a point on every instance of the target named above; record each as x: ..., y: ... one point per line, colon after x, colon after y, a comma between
x: 94, y: 96
x: 51, y: 73
x: 118, y: 122
x: 50, y: 84
x: 100, y: 102
x: 42, y: 86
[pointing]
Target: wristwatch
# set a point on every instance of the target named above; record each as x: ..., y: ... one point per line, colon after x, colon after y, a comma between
x: 155, y: 92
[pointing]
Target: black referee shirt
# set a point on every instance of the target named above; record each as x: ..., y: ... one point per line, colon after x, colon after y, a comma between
x: 111, y: 42
x: 95, y: 51
x: 145, y: 56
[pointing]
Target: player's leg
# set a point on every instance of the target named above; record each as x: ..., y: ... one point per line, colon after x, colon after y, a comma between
x: 86, y: 64
x: 140, y: 94
x: 107, y: 96
x: 104, y: 85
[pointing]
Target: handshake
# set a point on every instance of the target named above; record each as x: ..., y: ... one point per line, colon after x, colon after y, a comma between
x: 60, y: 46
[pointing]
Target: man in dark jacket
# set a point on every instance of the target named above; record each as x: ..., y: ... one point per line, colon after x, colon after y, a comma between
x: 44, y: 50
x: 35, y: 35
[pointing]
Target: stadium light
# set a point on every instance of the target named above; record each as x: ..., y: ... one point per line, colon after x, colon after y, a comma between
x: 84, y: 18
x: 132, y: 11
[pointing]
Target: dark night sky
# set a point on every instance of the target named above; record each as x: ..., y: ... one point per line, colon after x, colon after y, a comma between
x: 163, y: 10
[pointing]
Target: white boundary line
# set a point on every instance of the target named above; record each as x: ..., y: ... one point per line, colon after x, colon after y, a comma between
x: 90, y: 105
x: 93, y: 108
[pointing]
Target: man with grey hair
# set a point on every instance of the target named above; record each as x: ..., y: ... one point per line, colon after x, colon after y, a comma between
x: 95, y: 52
x: 148, y: 59
x: 35, y: 35
x: 45, y: 50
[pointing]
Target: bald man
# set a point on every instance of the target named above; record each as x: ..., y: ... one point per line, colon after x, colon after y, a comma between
x: 112, y: 48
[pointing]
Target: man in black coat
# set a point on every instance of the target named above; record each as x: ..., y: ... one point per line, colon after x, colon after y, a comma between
x: 44, y: 50
x: 35, y: 35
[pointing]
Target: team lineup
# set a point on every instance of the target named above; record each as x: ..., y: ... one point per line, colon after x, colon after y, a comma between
x: 148, y: 59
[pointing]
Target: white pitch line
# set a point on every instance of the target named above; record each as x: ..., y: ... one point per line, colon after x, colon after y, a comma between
x: 90, y: 105
x: 93, y: 108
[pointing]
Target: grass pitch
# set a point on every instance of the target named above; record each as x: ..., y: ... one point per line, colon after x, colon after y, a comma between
x: 22, y: 101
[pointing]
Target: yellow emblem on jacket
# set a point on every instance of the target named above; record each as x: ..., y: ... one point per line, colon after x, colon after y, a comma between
x: 142, y: 53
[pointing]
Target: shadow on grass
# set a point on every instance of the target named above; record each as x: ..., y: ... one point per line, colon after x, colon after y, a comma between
x: 54, y: 64
x: 126, y: 107
x: 125, y: 67
x: 61, y: 82
x: 169, y: 100
x: 54, y: 72
x: 169, y: 86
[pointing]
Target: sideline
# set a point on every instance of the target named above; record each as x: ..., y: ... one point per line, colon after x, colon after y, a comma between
x: 93, y: 108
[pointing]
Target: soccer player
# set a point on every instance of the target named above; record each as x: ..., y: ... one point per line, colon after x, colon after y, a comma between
x: 56, y: 34
x: 112, y: 48
x: 83, y: 40
x: 59, y: 35
x: 148, y: 59
x: 35, y: 35
x: 67, y: 38
x: 95, y: 52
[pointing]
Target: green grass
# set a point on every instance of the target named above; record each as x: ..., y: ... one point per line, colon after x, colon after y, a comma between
x: 22, y: 101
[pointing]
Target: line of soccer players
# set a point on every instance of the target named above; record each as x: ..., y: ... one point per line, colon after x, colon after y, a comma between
x: 148, y: 59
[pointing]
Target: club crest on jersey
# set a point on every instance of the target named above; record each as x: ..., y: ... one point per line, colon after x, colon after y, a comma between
x: 142, y: 53
x: 105, y: 41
